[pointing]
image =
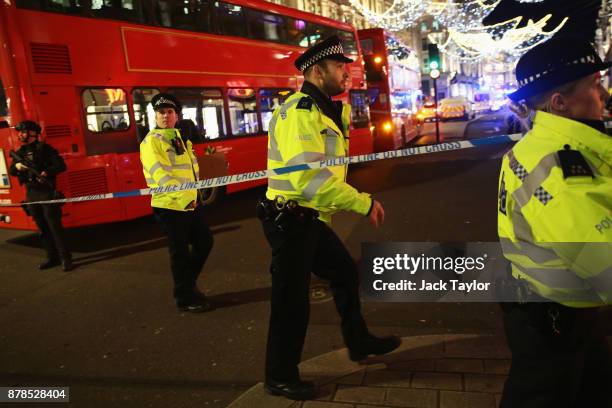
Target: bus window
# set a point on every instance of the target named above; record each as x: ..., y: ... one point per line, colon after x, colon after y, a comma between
x: 205, y: 108
x: 360, y: 111
x: 374, y: 68
x: 270, y: 99
x: 296, y: 32
x: 243, y: 112
x: 144, y: 116
x: 367, y: 46
x: 348, y: 42
x: 3, y: 102
x: 266, y: 26
x: 192, y: 15
x: 105, y: 110
x: 317, y: 33
x: 230, y: 19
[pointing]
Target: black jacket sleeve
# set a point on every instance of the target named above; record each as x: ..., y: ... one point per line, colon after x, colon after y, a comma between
x: 54, y: 163
x: 12, y: 169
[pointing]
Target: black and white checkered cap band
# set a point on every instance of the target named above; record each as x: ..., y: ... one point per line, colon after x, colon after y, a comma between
x: 334, y: 49
x: 164, y: 101
x: 584, y: 60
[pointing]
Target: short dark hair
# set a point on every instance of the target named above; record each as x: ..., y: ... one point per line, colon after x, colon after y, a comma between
x: 321, y: 64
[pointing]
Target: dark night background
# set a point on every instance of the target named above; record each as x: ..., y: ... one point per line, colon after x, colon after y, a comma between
x: 583, y: 15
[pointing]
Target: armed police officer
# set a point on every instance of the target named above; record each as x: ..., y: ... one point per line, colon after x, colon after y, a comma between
x: 554, y: 213
x: 296, y: 213
x: 36, y: 164
x: 168, y: 160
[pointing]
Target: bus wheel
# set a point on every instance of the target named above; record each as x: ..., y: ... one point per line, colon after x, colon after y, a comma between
x: 212, y: 196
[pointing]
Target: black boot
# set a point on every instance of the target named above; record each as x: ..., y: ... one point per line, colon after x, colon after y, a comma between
x: 373, y: 345
x: 67, y: 265
x: 295, y: 390
x: 49, y: 263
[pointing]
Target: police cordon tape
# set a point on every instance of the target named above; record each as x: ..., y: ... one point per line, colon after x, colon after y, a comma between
x: 261, y: 174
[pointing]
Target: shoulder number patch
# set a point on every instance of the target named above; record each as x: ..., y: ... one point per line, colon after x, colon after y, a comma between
x: 573, y: 163
x: 305, y: 103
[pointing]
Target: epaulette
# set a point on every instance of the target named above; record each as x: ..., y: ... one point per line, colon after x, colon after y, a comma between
x: 305, y: 103
x: 573, y: 163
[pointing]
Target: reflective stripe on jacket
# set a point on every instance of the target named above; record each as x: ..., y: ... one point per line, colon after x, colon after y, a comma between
x: 304, y: 134
x: 557, y: 231
x: 163, y: 167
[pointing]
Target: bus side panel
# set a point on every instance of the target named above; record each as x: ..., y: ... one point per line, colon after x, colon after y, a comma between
x: 90, y: 176
x: 215, y: 55
x: 60, y: 118
x: 130, y: 177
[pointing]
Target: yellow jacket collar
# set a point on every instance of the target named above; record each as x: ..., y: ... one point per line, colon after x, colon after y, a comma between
x: 574, y: 133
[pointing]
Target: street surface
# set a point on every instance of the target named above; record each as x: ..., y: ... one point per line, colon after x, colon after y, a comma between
x: 110, y: 330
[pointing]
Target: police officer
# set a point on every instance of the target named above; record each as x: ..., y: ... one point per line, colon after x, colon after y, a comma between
x: 168, y: 160
x: 37, y: 167
x: 296, y: 213
x: 554, y: 213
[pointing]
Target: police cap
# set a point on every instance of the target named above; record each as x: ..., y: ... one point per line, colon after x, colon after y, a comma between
x: 554, y: 63
x: 28, y: 125
x: 165, y: 100
x: 330, y: 48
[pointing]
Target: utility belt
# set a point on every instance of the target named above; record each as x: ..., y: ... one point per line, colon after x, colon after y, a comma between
x: 284, y: 212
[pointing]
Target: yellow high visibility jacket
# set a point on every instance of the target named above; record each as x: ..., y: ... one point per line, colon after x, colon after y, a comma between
x: 300, y: 132
x: 554, y: 218
x: 163, y: 167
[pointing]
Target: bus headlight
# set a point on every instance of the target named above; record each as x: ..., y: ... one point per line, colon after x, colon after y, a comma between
x: 387, y: 126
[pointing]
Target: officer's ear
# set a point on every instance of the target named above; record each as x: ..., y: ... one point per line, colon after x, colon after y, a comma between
x: 558, y: 102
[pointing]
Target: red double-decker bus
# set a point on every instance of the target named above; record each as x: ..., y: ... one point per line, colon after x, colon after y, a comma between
x: 394, y: 87
x: 87, y: 69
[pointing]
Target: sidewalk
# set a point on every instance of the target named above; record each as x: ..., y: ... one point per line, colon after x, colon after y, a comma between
x: 441, y: 371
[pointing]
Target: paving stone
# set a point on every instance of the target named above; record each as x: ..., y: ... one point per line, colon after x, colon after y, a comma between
x: 460, y: 365
x: 484, y: 383
x: 497, y: 399
x: 440, y: 381
x: 480, y: 347
x: 412, y: 365
x: 405, y: 397
x: 451, y: 399
x: 320, y: 404
x: 257, y: 397
x: 326, y: 392
x: 371, y: 406
x: 353, y: 379
x: 363, y: 395
x: 386, y: 378
x: 497, y: 366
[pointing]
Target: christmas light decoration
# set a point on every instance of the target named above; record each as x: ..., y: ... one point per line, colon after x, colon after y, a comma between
x: 401, y: 14
x: 502, y: 38
x: 401, y: 53
x: 461, y: 15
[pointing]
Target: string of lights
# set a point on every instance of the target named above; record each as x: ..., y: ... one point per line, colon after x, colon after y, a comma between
x: 499, y: 39
x: 461, y: 15
x: 401, y: 14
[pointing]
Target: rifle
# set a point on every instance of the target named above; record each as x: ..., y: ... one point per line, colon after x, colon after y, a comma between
x: 31, y: 168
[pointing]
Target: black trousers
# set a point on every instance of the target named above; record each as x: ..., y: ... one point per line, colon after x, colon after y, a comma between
x: 570, y: 369
x: 185, y: 229
x: 48, y: 219
x: 305, y: 247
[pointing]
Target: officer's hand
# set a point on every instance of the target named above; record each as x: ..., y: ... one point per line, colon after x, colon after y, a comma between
x: 43, y: 174
x: 191, y: 205
x: 21, y: 167
x: 377, y: 215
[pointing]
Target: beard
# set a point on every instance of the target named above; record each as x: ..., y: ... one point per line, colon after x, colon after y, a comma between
x: 332, y: 87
